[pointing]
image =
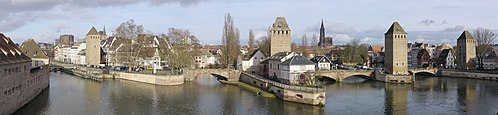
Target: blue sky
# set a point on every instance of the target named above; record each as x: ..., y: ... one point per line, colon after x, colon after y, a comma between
x: 433, y: 21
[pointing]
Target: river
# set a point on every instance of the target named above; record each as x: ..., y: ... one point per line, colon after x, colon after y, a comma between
x: 206, y: 96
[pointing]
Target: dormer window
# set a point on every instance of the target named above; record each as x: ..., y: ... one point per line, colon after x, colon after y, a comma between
x: 279, y: 26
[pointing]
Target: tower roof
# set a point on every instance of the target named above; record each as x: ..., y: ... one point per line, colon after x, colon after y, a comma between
x: 93, y: 31
x: 280, y: 24
x: 395, y: 29
x: 466, y: 35
x: 322, y: 27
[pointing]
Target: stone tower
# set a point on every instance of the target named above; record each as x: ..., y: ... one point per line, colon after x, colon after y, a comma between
x: 396, y: 60
x: 93, y: 39
x: 324, y: 41
x: 280, y: 36
x: 466, y: 51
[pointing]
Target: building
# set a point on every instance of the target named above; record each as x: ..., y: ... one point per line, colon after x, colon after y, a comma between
x: 280, y: 37
x: 21, y: 82
x: 110, y: 46
x: 249, y: 62
x: 446, y: 59
x: 423, y: 59
x: 35, y: 52
x: 491, y: 61
x: 65, y: 39
x: 205, y: 59
x: 272, y: 64
x: 321, y: 62
x: 396, y: 60
x: 293, y: 70
x: 466, y: 51
x: 93, y: 47
x: 374, y: 53
x: 324, y: 41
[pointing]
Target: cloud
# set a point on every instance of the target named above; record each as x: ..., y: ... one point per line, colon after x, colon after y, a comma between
x: 429, y: 22
x: 16, y: 13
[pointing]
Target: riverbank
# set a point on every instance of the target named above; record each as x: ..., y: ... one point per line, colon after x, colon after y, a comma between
x: 249, y: 87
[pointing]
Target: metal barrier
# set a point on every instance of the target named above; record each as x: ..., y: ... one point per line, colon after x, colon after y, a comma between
x: 284, y: 86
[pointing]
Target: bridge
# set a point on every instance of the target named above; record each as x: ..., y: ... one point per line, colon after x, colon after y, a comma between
x: 221, y: 74
x: 431, y: 71
x: 339, y: 75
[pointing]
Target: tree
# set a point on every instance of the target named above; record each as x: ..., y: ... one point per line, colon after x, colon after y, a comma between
x: 230, y: 43
x: 251, y: 41
x: 314, y: 43
x: 354, y: 52
x: 294, y: 47
x: 485, y: 38
x: 129, y: 30
x: 304, y: 45
x: 264, y: 45
x: 183, y: 49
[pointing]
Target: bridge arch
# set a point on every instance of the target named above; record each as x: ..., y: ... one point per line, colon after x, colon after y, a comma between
x: 219, y: 77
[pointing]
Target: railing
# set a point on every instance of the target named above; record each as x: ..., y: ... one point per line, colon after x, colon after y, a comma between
x: 308, y: 89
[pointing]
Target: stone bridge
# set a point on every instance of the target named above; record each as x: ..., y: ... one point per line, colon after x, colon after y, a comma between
x: 432, y: 71
x: 221, y: 74
x: 339, y: 75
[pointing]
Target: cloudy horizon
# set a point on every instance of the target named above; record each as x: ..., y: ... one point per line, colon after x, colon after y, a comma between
x: 429, y: 21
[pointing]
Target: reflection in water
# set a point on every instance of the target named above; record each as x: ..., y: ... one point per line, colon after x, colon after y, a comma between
x: 206, y: 96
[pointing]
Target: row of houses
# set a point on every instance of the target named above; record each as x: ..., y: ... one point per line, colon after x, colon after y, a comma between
x: 144, y: 51
x: 423, y: 55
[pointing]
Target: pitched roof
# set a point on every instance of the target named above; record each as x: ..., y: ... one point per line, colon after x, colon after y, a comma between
x: 279, y: 55
x: 465, y: 35
x: 249, y: 56
x: 395, y: 29
x: 9, y: 52
x: 493, y: 55
x: 297, y: 60
x: 376, y: 48
x: 280, y: 24
x: 33, y: 49
x: 317, y: 59
x: 444, y: 54
x: 93, y: 31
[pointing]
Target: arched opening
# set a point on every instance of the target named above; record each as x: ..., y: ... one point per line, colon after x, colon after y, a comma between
x: 220, y: 77
x: 356, y: 79
x: 423, y: 75
x: 326, y: 80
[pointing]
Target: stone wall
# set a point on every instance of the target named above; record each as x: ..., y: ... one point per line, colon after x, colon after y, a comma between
x: 379, y: 76
x: 449, y: 73
x: 152, y: 79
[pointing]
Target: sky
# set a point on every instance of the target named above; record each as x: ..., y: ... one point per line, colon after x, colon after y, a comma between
x: 430, y: 21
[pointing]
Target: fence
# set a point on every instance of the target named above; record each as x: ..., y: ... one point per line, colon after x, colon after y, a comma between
x: 284, y: 86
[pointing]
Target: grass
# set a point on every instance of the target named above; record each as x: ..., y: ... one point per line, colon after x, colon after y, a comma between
x: 249, y: 87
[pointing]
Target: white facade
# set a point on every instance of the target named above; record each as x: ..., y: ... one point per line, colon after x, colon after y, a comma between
x: 274, y: 65
x: 250, y: 64
x: 292, y: 73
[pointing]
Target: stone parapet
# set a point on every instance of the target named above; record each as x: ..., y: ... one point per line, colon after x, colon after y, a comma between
x: 472, y: 75
x: 152, y: 79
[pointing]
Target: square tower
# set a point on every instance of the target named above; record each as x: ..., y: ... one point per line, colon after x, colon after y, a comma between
x: 280, y: 37
x: 93, y: 39
x: 466, y: 51
x: 396, y: 59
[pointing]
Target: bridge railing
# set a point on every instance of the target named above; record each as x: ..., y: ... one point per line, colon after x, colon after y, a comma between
x: 299, y: 88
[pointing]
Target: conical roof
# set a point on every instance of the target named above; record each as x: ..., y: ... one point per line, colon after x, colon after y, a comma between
x: 280, y: 24
x: 93, y: 31
x: 466, y: 35
x: 395, y: 29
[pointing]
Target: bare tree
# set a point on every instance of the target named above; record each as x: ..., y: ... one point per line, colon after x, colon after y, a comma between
x: 264, y: 45
x: 181, y: 55
x: 304, y: 46
x: 230, y: 42
x: 129, y: 30
x: 294, y: 47
x: 485, y: 38
x: 251, y: 41
x: 314, y: 44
